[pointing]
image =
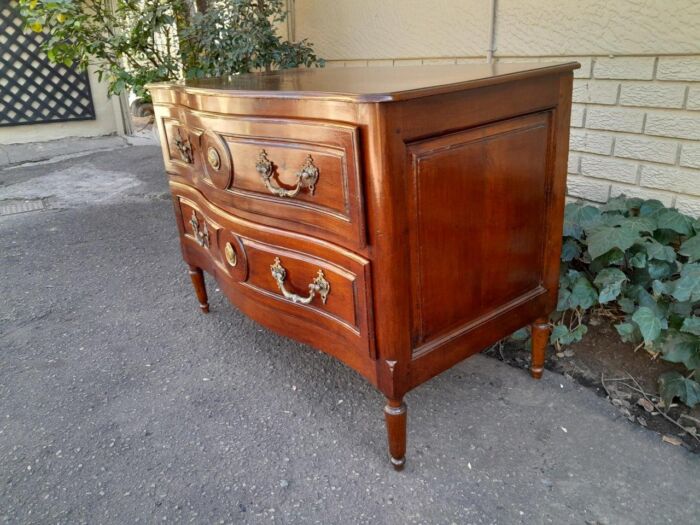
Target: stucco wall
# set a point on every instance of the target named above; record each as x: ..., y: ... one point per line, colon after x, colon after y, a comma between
x: 106, y: 122
x: 636, y: 113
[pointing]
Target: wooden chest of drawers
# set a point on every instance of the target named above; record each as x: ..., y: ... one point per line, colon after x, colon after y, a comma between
x: 399, y: 219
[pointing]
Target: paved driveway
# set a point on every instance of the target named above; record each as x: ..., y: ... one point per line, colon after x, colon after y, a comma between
x: 121, y: 403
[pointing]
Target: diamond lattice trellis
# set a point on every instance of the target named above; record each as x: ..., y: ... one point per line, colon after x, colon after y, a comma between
x: 32, y: 89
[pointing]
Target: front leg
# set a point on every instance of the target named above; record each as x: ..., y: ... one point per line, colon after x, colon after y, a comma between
x: 539, y: 337
x: 200, y: 289
x: 395, y: 416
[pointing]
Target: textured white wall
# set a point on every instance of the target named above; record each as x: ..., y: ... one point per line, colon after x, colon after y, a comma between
x: 636, y: 113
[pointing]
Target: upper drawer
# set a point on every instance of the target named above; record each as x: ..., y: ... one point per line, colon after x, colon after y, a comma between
x: 292, y: 174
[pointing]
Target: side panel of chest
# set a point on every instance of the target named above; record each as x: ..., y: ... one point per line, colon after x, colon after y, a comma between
x: 477, y: 210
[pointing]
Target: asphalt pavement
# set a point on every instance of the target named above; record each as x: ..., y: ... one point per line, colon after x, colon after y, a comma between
x: 120, y: 402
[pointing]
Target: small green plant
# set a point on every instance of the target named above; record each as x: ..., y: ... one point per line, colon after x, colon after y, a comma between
x: 639, y: 262
x: 133, y: 42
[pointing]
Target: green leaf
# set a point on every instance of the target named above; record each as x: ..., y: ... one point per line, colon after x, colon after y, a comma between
x: 657, y: 251
x: 660, y: 269
x: 673, y: 384
x: 691, y: 325
x: 564, y: 300
x: 616, y: 204
x: 627, y: 305
x: 563, y: 336
x: 687, y: 288
x: 649, y: 207
x: 638, y: 260
x: 558, y: 332
x: 691, y: 248
x: 583, y: 294
x: 628, y: 332
x: 609, y: 237
x: 672, y: 220
x: 578, y: 217
x: 570, y: 250
x: 641, y: 224
x: 609, y: 282
x: 520, y: 335
x: 660, y: 287
x: 649, y: 324
x: 679, y: 347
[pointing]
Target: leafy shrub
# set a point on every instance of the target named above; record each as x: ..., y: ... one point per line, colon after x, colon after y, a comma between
x: 131, y: 43
x: 639, y: 262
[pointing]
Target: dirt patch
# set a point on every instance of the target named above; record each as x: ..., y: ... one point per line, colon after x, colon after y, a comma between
x: 604, y: 363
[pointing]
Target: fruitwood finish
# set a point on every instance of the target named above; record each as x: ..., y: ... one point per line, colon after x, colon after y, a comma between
x: 398, y: 219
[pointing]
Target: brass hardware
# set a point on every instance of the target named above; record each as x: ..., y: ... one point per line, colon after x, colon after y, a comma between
x: 184, y: 147
x: 202, y: 237
x: 230, y: 254
x: 307, y: 176
x: 213, y: 158
x: 318, y: 286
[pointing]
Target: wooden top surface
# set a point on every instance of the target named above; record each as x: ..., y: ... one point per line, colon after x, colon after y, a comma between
x: 366, y: 84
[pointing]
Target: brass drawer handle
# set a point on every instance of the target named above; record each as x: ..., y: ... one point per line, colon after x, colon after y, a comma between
x: 201, y: 236
x: 318, y: 286
x: 307, y: 176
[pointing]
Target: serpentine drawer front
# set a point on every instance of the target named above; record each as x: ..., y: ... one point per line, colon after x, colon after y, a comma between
x: 283, y: 172
x: 398, y: 219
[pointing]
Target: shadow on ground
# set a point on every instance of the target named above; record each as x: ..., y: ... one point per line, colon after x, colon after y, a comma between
x: 120, y: 402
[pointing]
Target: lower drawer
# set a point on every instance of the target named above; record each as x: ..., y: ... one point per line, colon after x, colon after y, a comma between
x: 302, y: 287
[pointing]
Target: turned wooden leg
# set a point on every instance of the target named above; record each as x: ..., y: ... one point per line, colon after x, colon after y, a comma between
x: 395, y: 416
x: 197, y: 277
x: 540, y: 336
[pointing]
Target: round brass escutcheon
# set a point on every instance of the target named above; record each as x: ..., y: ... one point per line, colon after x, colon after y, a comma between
x: 230, y: 254
x: 213, y: 158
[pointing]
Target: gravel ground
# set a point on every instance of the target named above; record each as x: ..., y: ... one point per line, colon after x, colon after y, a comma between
x: 121, y: 403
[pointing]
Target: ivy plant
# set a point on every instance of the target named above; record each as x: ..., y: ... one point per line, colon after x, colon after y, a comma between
x: 640, y: 262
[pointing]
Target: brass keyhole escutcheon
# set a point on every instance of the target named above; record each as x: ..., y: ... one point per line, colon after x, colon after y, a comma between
x: 213, y: 158
x: 230, y: 254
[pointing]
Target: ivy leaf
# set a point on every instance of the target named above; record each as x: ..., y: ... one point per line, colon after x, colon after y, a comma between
x: 691, y: 325
x: 564, y: 300
x: 618, y: 203
x: 627, y: 305
x: 679, y: 347
x: 660, y: 269
x: 641, y: 224
x: 583, y: 294
x: 520, y: 335
x: 609, y: 282
x: 649, y: 325
x: 668, y: 219
x: 563, y: 336
x: 657, y: 251
x: 638, y: 260
x: 673, y: 384
x: 649, y: 207
x: 578, y: 217
x: 557, y: 333
x: 570, y: 250
x: 691, y: 248
x: 606, y: 238
x: 687, y: 288
x: 660, y: 287
x: 628, y: 332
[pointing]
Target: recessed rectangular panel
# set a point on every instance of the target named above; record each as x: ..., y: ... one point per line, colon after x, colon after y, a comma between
x: 477, y: 203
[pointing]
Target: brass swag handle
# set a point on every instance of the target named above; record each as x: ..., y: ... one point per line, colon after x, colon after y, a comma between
x: 318, y: 286
x: 307, y: 176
